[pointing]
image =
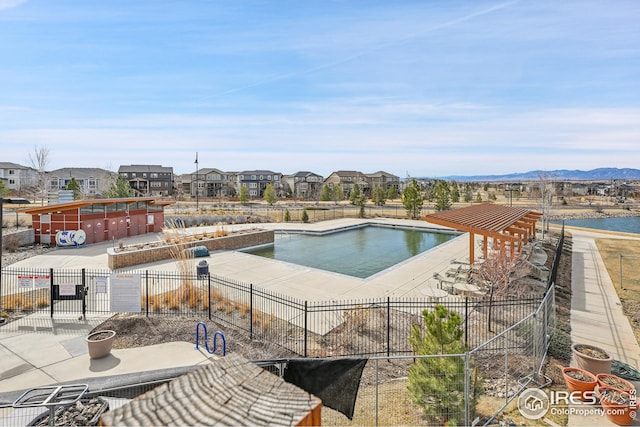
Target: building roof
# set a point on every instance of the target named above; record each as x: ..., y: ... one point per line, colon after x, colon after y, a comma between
x: 9, y: 165
x: 259, y: 172
x: 145, y: 168
x: 206, y: 171
x: 382, y: 173
x: 76, y: 204
x: 304, y: 173
x: 348, y: 173
x: 80, y: 173
x: 228, y: 391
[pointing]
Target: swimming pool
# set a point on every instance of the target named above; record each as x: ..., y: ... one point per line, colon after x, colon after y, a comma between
x: 359, y: 252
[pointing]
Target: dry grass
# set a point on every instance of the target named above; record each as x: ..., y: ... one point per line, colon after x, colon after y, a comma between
x: 610, y: 251
x: 395, y: 408
x: 488, y: 405
x: 263, y: 320
x: 26, y: 301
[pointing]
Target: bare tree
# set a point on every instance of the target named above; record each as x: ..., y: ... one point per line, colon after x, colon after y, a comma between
x: 106, y: 179
x: 39, y: 160
x: 501, y: 276
x: 545, y: 200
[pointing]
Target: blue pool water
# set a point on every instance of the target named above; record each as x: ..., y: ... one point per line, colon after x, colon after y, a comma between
x: 624, y: 224
x: 359, y: 252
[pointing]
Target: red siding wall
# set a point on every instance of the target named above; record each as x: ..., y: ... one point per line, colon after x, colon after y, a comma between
x: 116, y: 225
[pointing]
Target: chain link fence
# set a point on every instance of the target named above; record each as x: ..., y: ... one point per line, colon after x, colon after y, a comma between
x: 494, y: 372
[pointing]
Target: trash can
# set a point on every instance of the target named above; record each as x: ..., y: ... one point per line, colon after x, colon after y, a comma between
x: 202, y: 268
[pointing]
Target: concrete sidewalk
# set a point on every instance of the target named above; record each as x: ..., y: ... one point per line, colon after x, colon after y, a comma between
x: 37, y: 350
x: 596, y: 312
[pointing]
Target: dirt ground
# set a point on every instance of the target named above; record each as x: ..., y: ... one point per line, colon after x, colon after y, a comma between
x: 139, y: 331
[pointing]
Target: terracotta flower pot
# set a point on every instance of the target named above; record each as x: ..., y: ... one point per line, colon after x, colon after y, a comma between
x: 619, y: 407
x: 614, y: 381
x: 100, y: 343
x: 579, y: 380
x: 592, y: 358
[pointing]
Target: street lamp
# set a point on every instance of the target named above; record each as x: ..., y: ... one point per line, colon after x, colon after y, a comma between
x: 197, y: 176
x: 510, y: 190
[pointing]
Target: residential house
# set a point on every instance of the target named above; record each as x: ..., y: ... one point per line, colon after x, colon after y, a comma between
x: 148, y: 180
x: 382, y: 180
x: 303, y: 185
x: 347, y: 179
x: 92, y: 181
x: 257, y: 180
x: 212, y: 183
x: 18, y: 179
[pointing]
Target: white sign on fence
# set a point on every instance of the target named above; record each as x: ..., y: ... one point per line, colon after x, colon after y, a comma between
x: 30, y: 282
x: 125, y: 294
x: 67, y: 289
x: 101, y: 285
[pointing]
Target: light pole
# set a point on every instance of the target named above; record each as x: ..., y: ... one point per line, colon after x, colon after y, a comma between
x: 197, y: 177
x: 510, y: 190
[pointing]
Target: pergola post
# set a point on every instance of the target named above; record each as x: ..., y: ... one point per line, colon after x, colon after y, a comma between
x: 471, y: 248
x: 485, y: 247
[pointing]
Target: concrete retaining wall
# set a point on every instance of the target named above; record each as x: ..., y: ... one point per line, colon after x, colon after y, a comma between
x: 15, y: 239
x: 126, y: 258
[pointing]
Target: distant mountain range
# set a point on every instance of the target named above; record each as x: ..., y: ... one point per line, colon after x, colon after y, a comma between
x: 562, y: 174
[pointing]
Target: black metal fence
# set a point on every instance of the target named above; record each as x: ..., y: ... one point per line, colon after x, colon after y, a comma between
x: 556, y: 257
x: 366, y: 327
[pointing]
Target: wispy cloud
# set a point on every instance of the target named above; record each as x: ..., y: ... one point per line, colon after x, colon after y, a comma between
x: 8, y: 4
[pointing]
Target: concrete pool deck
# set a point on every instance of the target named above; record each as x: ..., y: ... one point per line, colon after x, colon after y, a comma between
x: 406, y: 279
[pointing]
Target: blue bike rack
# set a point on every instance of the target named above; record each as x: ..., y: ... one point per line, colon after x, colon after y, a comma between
x: 206, y: 340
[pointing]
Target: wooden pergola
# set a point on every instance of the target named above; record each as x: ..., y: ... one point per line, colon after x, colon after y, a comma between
x: 509, y: 228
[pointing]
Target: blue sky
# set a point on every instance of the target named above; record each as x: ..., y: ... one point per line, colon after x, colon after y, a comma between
x: 424, y: 88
